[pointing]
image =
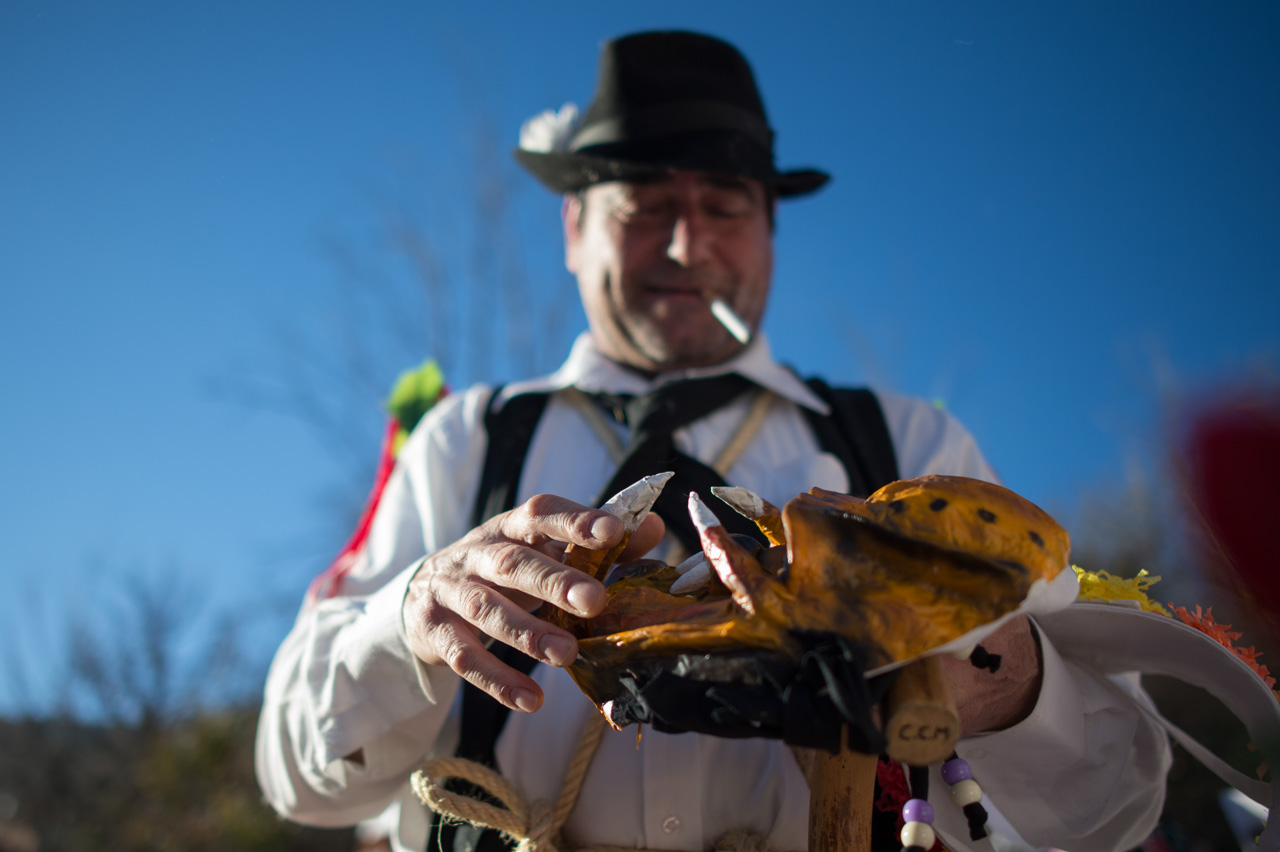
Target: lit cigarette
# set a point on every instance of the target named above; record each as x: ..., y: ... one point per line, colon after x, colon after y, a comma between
x: 721, y: 311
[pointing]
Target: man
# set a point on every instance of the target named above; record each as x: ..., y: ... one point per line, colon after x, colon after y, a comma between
x: 669, y: 187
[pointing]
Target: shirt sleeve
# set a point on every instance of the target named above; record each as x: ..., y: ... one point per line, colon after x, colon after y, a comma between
x: 348, y: 711
x: 1084, y: 771
x: 928, y: 439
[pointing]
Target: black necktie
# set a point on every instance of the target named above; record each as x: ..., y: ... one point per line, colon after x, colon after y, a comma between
x: 654, y: 418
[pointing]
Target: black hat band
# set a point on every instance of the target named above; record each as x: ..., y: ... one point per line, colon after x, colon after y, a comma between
x: 674, y: 120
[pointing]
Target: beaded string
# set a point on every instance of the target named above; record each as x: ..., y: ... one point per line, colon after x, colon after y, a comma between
x: 917, y: 814
x: 917, y: 833
x: 967, y: 795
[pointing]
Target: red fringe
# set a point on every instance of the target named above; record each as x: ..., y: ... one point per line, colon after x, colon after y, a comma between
x: 329, y: 582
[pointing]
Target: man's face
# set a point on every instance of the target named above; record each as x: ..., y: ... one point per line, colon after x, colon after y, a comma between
x: 650, y: 256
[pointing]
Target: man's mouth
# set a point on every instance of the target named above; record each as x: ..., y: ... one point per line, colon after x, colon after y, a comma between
x: 718, y: 307
x: 696, y: 292
x: 703, y: 286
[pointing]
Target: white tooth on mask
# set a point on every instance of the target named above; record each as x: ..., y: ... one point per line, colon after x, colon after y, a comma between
x: 744, y: 501
x: 632, y: 503
x: 692, y: 562
x: 702, y: 517
x: 693, y: 579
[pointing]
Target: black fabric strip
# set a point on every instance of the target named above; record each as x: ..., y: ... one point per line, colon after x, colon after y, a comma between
x: 654, y: 418
x: 509, y: 430
x: 674, y: 119
x: 855, y: 433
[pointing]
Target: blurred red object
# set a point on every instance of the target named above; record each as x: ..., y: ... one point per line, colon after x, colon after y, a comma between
x: 1232, y: 465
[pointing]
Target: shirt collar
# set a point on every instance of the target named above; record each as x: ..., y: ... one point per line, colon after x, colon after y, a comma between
x: 590, y: 371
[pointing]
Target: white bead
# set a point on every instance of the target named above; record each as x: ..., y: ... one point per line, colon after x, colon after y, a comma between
x: 966, y: 793
x: 917, y: 834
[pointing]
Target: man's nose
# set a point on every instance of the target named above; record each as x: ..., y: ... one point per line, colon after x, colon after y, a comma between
x: 689, y: 239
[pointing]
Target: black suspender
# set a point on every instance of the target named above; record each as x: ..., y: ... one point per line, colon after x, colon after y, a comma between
x: 510, y: 429
x: 855, y: 433
x: 482, y: 720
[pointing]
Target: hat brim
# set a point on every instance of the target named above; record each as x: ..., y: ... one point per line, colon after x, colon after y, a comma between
x: 563, y: 172
x: 1114, y: 638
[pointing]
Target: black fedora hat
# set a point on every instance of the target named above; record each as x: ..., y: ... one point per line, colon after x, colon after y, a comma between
x: 664, y: 100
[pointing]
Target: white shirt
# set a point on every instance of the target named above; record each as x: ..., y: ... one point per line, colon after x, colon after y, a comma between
x: 1084, y: 771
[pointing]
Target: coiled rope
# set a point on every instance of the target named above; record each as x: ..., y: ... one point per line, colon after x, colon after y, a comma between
x: 534, y: 826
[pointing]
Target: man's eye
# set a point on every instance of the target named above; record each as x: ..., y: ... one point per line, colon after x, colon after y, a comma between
x: 644, y: 212
x: 729, y: 210
x: 728, y: 205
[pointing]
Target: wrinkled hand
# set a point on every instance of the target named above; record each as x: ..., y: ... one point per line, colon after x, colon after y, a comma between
x: 489, y: 582
x: 993, y: 701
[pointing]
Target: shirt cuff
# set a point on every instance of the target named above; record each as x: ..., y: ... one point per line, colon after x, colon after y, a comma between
x: 1019, y: 761
x: 1082, y: 771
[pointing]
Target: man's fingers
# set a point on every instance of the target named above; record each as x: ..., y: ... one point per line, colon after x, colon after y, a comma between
x: 524, y: 569
x: 646, y: 537
x: 546, y: 517
x: 491, y: 612
x: 465, y: 653
x: 443, y: 607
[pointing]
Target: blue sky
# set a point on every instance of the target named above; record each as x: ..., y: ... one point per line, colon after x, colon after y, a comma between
x: 1051, y: 216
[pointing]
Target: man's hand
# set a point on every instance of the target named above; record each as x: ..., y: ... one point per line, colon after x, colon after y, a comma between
x: 993, y: 701
x: 488, y: 583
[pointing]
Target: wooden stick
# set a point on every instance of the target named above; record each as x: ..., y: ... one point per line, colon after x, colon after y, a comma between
x: 841, y: 793
x: 921, y: 722
x: 921, y: 726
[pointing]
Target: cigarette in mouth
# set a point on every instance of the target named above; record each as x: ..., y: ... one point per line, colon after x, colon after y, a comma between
x: 731, y: 321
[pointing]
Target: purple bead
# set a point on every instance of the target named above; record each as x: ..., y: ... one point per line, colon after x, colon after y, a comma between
x: 955, y: 771
x: 918, y: 810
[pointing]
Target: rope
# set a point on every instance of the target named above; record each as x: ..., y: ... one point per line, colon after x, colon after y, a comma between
x: 428, y: 785
x: 744, y: 433
x: 595, y: 419
x: 741, y: 840
x: 534, y: 827
x: 733, y: 448
x: 577, y: 772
